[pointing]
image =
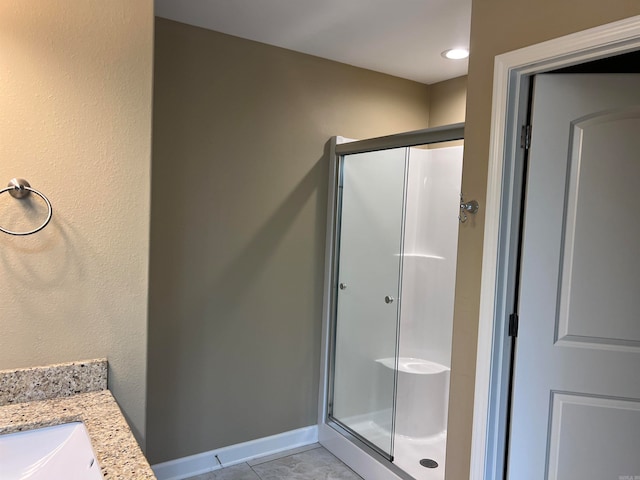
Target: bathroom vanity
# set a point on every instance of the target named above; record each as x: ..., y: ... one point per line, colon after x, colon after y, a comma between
x: 34, y: 398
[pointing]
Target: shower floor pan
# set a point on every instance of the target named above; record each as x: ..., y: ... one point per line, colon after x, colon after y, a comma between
x: 408, y: 452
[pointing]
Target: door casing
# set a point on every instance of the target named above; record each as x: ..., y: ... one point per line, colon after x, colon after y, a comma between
x: 511, y: 85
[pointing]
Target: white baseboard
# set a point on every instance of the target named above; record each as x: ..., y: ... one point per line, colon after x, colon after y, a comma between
x: 206, y: 462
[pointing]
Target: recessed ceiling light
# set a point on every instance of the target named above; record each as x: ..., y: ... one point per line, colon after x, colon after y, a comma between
x: 455, y: 53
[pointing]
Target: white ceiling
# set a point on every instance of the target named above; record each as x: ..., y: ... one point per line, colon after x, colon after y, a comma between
x: 400, y: 37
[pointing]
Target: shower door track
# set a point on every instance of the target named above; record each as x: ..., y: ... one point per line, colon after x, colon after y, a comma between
x: 428, y: 136
x: 352, y: 434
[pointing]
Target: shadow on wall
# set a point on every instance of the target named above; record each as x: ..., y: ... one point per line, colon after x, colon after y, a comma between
x: 243, y: 271
x: 225, y: 329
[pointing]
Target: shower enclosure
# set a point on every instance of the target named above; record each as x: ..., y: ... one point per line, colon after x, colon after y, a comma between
x: 391, y: 261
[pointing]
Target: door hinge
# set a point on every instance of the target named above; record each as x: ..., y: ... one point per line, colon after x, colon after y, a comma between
x: 525, y: 137
x: 513, y: 325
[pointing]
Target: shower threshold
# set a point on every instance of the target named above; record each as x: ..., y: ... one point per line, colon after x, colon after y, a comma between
x: 408, y: 451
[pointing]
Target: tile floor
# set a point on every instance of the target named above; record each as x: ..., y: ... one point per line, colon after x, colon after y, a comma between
x: 312, y: 462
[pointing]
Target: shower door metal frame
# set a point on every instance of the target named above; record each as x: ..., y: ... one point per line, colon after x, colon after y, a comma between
x: 428, y: 136
x: 334, y: 421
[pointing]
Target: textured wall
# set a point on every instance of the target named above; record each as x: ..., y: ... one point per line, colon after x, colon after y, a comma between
x: 448, y: 101
x: 497, y: 26
x: 239, y: 195
x: 75, y: 120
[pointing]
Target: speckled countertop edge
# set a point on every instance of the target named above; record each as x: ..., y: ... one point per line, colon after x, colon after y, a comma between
x: 52, y: 381
x: 118, y: 453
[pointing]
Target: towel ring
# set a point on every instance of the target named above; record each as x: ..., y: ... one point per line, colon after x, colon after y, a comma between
x: 20, y: 188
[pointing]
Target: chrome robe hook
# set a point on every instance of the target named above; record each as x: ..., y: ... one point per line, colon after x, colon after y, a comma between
x: 470, y: 207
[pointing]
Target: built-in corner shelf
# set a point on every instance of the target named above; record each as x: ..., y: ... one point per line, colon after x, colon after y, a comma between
x: 421, y: 255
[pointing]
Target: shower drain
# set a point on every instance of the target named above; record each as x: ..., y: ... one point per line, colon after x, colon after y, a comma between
x: 427, y: 462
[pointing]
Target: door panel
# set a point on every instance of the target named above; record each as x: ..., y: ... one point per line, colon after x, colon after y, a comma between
x: 368, y: 293
x: 598, y: 253
x: 576, y: 397
x: 583, y: 431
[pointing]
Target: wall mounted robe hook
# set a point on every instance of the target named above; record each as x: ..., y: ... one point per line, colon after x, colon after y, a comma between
x: 470, y: 207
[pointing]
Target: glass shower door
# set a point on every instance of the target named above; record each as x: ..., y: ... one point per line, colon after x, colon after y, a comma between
x: 368, y: 290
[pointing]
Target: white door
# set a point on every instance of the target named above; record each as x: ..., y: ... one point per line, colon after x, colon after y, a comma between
x: 576, y: 391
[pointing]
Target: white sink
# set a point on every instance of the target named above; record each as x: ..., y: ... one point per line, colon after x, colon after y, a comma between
x: 62, y: 452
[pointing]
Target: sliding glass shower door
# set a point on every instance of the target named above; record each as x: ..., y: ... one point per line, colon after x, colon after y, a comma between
x: 368, y: 288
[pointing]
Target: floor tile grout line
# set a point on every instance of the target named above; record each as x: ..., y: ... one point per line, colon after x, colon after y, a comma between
x: 266, y: 470
x: 256, y: 473
x: 280, y: 458
x: 354, y: 472
x: 286, y: 456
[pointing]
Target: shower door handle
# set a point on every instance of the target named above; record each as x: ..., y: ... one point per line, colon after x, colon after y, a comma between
x: 388, y: 299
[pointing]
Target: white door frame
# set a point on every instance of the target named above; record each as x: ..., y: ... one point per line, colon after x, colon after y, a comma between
x: 511, y: 78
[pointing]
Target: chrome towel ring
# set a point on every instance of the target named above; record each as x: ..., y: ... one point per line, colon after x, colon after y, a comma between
x: 19, y: 188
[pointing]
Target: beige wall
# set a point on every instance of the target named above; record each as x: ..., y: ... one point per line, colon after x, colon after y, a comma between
x: 75, y: 120
x: 239, y: 196
x: 448, y: 101
x: 497, y: 26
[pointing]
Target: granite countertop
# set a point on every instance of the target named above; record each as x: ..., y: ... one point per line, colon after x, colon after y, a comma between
x: 52, y: 381
x: 117, y: 451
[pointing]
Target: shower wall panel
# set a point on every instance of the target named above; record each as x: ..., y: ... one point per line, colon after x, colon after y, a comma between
x: 431, y: 240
